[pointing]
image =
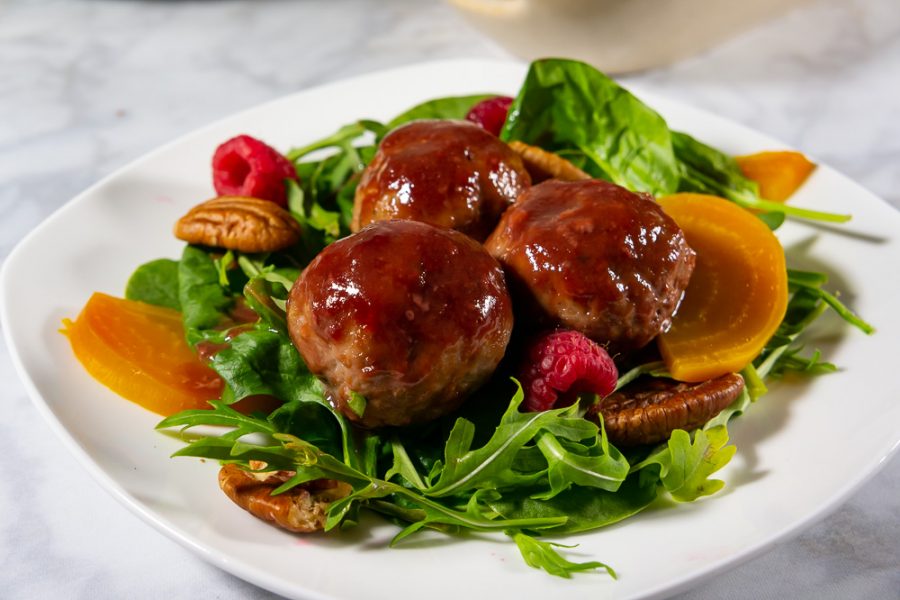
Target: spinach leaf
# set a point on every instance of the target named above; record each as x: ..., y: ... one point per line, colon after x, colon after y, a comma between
x: 260, y: 361
x: 204, y: 302
x: 586, y: 508
x: 707, y: 170
x: 569, y: 107
x: 155, y: 282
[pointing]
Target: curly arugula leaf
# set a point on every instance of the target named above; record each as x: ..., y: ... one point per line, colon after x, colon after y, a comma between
x: 543, y: 555
x: 490, y: 465
x: 606, y: 469
x: 685, y: 464
x: 219, y: 415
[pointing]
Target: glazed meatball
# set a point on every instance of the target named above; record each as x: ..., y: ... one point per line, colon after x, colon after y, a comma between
x: 452, y: 174
x: 409, y: 316
x: 594, y: 257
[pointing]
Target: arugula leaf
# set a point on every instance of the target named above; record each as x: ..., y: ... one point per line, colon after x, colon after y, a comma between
x: 605, y: 469
x: 155, y: 282
x: 220, y: 415
x: 812, y: 283
x: 490, y: 465
x: 543, y: 555
x: 685, y: 465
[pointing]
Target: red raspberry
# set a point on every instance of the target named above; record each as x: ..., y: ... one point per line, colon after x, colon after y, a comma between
x: 245, y: 166
x: 562, y: 364
x: 490, y: 113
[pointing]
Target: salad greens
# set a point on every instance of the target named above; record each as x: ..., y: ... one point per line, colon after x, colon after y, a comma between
x: 574, y: 110
x: 490, y: 467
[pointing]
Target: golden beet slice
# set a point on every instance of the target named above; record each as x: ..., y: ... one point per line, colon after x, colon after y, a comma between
x: 778, y: 174
x: 738, y: 292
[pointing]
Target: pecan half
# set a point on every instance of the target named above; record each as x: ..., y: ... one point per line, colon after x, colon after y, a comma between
x: 648, y: 410
x: 543, y: 165
x: 239, y: 223
x: 300, y: 509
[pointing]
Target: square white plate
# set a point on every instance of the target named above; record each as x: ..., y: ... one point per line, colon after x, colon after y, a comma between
x: 801, y: 451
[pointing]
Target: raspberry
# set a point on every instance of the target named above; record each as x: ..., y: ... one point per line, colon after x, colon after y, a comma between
x: 245, y: 166
x: 490, y: 113
x: 562, y: 364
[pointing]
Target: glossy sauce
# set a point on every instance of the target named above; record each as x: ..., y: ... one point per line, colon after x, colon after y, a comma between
x: 406, y: 314
x: 451, y: 174
x: 594, y: 257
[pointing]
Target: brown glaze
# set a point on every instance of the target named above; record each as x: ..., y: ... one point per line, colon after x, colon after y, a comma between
x: 650, y: 409
x: 451, y: 174
x: 594, y: 257
x: 410, y: 316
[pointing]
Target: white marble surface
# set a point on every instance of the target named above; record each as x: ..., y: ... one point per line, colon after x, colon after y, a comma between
x: 86, y: 86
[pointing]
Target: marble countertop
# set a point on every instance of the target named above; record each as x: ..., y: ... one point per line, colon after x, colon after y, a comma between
x: 87, y: 86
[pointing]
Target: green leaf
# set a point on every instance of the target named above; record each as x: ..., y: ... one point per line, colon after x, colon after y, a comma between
x: 402, y: 465
x: 265, y: 362
x: 490, y: 465
x: 605, y: 471
x: 310, y: 419
x: 453, y: 107
x: 219, y: 415
x: 585, y: 508
x: 707, y: 170
x: 204, y: 302
x: 344, y: 135
x: 543, y: 555
x: 810, y: 282
x: 357, y: 404
x: 569, y: 107
x: 685, y: 465
x: 155, y: 282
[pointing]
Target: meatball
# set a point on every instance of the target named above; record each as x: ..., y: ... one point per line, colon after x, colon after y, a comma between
x: 410, y: 316
x: 594, y: 257
x: 452, y: 174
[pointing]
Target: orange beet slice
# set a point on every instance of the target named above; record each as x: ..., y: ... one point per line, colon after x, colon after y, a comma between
x: 737, y: 295
x: 138, y: 350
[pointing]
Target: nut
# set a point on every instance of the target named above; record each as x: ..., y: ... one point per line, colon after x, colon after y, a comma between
x: 301, y: 509
x: 542, y: 165
x: 239, y: 223
x: 648, y: 410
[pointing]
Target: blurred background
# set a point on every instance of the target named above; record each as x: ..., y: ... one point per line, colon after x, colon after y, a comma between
x: 89, y: 85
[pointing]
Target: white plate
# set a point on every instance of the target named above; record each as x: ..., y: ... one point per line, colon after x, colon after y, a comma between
x: 802, y: 450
